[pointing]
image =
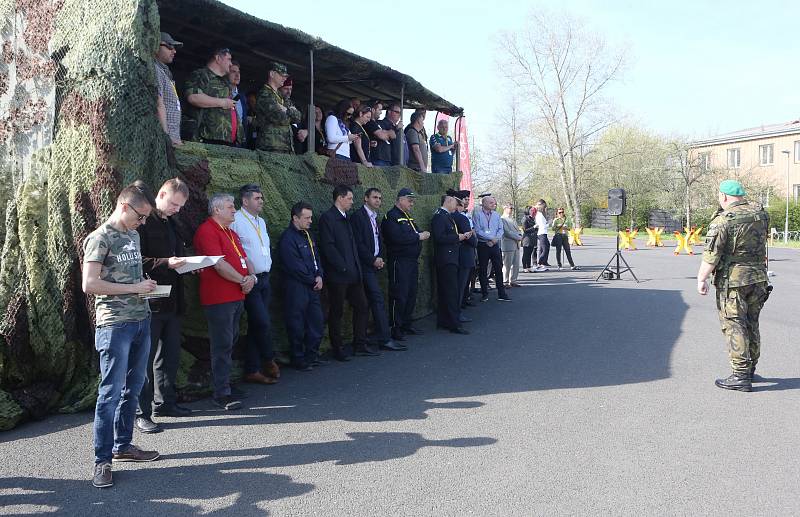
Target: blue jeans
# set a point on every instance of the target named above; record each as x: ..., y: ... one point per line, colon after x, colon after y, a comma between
x: 124, y: 349
x: 381, y: 163
x: 259, y: 325
x: 441, y: 170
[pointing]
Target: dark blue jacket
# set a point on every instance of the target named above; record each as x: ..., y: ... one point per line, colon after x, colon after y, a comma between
x: 466, y: 253
x: 400, y: 236
x: 338, y: 247
x: 297, y: 258
x: 365, y: 241
x: 445, y: 238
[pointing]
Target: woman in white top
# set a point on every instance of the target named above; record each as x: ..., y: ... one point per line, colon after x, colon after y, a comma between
x: 542, y: 244
x: 337, y: 132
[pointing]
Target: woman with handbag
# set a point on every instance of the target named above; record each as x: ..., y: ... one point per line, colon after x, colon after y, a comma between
x: 561, y: 225
x: 528, y: 238
x: 337, y: 131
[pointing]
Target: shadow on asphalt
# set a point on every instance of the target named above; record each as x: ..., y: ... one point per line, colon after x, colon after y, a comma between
x: 775, y: 384
x: 230, y: 485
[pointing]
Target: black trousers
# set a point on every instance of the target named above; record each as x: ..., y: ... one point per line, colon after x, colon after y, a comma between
x: 490, y: 254
x: 259, y: 325
x: 304, y: 320
x: 449, y: 296
x: 354, y: 294
x: 464, y: 276
x: 403, y: 277
x: 527, y: 253
x: 162, y: 365
x: 376, y: 303
x: 560, y: 240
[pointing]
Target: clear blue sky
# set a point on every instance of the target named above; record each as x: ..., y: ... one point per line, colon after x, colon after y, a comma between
x: 696, y: 68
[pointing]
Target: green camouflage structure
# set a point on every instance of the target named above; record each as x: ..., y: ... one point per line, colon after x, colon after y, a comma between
x: 274, y: 116
x: 736, y: 244
x: 77, y: 123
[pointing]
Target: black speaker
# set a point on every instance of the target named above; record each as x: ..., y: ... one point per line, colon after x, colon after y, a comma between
x: 616, y: 201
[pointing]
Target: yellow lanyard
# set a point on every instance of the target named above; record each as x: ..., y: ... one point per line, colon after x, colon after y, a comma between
x: 313, y: 255
x: 229, y: 235
x: 255, y: 226
x: 277, y: 95
x: 410, y: 220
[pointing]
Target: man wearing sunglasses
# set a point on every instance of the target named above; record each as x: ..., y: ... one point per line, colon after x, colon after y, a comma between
x: 112, y: 272
x: 169, y: 105
x: 209, y: 93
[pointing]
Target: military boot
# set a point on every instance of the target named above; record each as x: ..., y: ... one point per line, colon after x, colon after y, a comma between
x: 753, y: 376
x: 736, y: 381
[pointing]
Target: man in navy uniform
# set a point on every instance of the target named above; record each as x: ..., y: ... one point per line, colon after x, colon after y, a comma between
x: 403, y: 240
x: 447, y: 241
x: 366, y: 230
x: 303, y: 283
x: 466, y: 252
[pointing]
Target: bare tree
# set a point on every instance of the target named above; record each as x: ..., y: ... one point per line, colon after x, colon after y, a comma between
x: 692, y: 168
x: 561, y: 71
x: 509, y: 156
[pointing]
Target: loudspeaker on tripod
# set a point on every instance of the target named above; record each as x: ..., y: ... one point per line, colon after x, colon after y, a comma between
x: 616, y: 201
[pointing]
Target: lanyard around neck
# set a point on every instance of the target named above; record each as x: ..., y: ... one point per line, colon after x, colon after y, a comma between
x: 229, y: 235
x: 256, y: 226
x: 410, y: 220
x: 311, y: 244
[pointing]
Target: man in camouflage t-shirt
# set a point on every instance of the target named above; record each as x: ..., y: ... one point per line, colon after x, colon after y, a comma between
x: 735, y: 252
x: 213, y: 111
x: 112, y: 272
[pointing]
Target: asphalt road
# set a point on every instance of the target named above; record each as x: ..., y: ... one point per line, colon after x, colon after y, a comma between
x: 579, y: 398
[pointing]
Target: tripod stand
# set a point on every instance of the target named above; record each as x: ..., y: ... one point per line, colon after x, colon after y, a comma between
x: 612, y: 275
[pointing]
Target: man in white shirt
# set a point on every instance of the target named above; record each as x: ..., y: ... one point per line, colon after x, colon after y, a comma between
x: 252, y: 231
x: 543, y: 245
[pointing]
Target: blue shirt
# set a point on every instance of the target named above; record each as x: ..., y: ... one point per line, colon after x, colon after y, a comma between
x: 441, y: 160
x: 488, y: 227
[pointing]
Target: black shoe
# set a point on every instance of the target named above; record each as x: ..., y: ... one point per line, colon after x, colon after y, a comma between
x: 366, y: 351
x: 468, y: 303
x: 485, y: 298
x: 301, y: 366
x: 504, y: 298
x: 753, y: 376
x: 394, y: 347
x: 459, y: 330
x: 228, y: 403
x: 145, y: 425
x: 341, y: 356
x: 237, y: 393
x: 464, y: 319
x: 413, y: 331
x: 173, y: 410
x: 736, y: 381
x: 398, y: 335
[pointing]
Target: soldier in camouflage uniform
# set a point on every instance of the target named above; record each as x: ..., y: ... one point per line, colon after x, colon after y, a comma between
x: 275, y: 114
x: 735, y: 252
x: 212, y: 118
x: 112, y: 272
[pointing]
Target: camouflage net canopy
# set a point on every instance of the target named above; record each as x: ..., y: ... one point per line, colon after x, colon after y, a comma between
x: 77, y: 122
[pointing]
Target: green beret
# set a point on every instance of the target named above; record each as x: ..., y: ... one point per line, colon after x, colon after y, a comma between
x: 732, y: 188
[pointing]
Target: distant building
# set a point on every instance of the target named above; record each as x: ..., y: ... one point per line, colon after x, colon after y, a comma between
x: 757, y: 154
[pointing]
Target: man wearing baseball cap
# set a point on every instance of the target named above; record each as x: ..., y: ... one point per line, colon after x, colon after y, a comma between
x: 735, y: 252
x: 275, y: 113
x: 403, y: 238
x: 169, y: 104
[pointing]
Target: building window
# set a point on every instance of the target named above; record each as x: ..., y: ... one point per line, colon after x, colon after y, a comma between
x: 705, y: 161
x: 766, y: 154
x: 797, y: 151
x: 734, y: 158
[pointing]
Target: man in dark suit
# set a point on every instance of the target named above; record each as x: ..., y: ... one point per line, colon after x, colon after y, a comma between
x: 366, y: 230
x: 447, y: 241
x: 467, y: 252
x: 343, y: 275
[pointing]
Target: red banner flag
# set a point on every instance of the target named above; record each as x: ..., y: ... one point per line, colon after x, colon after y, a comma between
x: 463, y: 158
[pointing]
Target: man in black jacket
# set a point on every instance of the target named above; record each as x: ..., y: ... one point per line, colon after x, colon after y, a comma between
x: 161, y: 252
x: 467, y: 254
x: 340, y: 258
x: 447, y: 241
x: 366, y: 230
x: 302, y: 285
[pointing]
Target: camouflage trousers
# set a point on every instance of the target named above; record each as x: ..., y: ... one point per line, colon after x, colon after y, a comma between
x: 739, y: 308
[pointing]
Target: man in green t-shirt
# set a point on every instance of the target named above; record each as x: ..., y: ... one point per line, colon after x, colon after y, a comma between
x: 112, y: 272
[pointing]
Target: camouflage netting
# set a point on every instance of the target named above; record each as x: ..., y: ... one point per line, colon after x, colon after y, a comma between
x: 77, y: 98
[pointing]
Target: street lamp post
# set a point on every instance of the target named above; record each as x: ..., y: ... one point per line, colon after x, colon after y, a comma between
x: 786, y: 222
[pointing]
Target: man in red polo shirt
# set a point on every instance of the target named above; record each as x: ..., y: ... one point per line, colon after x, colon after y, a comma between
x: 222, y: 291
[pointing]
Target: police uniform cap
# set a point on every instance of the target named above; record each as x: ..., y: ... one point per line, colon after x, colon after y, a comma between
x: 406, y: 192
x: 732, y: 188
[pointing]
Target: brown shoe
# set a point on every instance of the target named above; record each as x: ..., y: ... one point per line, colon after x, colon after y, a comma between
x: 134, y: 453
x: 271, y: 369
x: 259, y: 378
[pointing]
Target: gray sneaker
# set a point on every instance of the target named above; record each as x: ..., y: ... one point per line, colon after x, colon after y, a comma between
x: 134, y: 453
x: 102, y: 475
